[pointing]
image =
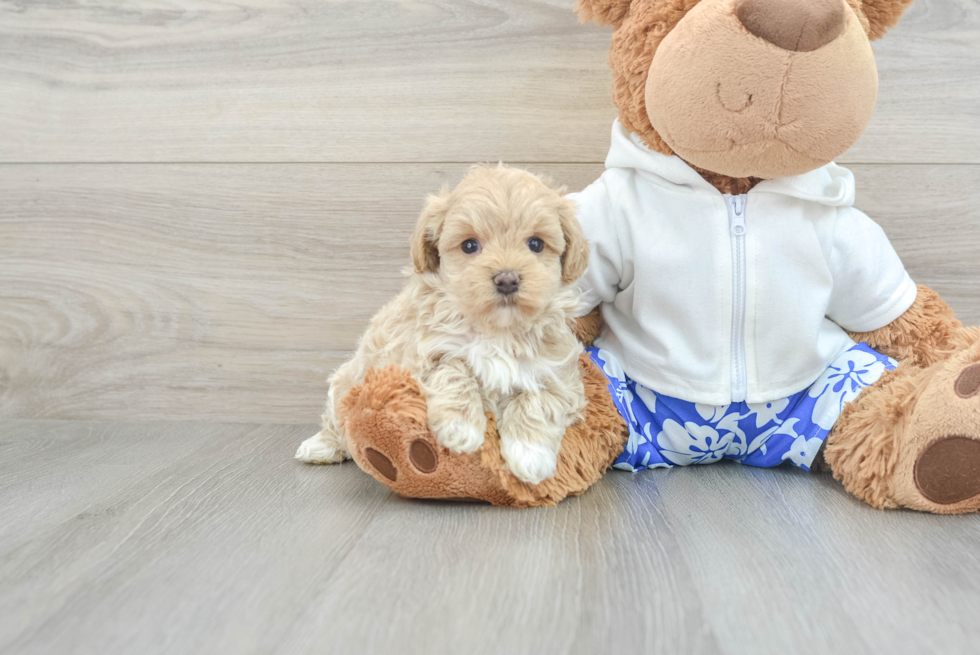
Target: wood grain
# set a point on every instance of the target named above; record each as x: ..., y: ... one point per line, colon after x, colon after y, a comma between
x: 229, y: 292
x: 227, y: 545
x: 393, y: 81
x: 176, y: 284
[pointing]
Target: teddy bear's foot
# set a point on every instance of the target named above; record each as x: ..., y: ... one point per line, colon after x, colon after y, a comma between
x: 913, y: 439
x: 388, y: 436
x: 938, y: 468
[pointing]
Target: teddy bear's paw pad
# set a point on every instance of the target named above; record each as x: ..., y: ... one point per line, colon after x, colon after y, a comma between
x: 381, y: 463
x: 316, y: 451
x: 460, y: 437
x: 968, y: 383
x: 938, y: 464
x: 423, y: 456
x: 948, y: 470
x: 531, y: 463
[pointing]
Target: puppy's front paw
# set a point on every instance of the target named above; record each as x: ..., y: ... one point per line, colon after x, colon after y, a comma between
x: 531, y: 463
x: 317, y: 451
x: 460, y: 436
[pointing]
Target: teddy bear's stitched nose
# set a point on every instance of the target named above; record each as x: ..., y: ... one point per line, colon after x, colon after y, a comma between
x: 507, y: 282
x: 794, y: 25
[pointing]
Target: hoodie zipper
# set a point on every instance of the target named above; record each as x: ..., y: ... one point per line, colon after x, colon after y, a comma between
x: 736, y: 221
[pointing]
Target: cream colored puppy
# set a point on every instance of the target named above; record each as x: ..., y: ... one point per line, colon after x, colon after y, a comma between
x: 483, y: 323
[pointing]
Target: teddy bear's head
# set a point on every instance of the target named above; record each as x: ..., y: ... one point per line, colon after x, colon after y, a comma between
x: 745, y: 88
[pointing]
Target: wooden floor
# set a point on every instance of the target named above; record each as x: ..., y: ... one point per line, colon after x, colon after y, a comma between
x: 201, y: 205
x: 208, y: 538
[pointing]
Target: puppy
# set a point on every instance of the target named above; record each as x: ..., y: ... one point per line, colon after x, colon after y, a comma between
x: 483, y: 323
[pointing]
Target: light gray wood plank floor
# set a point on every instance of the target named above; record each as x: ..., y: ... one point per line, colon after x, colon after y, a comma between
x: 205, y: 538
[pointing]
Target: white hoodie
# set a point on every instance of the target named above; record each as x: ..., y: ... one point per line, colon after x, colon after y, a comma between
x: 714, y: 298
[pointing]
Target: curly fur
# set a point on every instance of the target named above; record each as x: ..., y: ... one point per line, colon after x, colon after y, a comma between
x: 590, y: 448
x: 922, y: 336
x: 875, y: 447
x: 602, y: 12
x: 862, y: 450
x: 588, y: 327
x: 882, y: 15
x: 726, y: 184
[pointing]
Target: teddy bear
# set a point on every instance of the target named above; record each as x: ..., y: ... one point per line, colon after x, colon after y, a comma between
x: 736, y: 304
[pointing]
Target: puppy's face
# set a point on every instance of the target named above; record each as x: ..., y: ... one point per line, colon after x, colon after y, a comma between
x: 503, y: 243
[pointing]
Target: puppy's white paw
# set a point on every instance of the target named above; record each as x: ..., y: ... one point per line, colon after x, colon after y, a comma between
x: 316, y: 451
x: 460, y: 437
x: 531, y: 463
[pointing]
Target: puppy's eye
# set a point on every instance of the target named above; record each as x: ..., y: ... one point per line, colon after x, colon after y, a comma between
x: 471, y: 246
x: 535, y: 244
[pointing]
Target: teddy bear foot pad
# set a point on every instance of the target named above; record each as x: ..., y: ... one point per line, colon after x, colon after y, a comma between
x: 948, y: 470
x: 943, y: 438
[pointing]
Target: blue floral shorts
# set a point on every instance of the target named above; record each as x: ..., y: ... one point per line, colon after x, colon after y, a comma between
x: 667, y: 432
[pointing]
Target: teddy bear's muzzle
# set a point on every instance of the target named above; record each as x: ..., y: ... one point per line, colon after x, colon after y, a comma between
x: 763, y: 88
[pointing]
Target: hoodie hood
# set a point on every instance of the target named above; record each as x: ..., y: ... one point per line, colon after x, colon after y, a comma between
x: 829, y: 185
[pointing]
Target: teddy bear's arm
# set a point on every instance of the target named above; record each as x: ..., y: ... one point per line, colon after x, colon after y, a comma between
x: 922, y: 335
x: 587, y: 328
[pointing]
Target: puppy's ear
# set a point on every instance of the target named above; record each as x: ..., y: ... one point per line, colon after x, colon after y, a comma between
x: 883, y: 15
x: 575, y: 259
x: 602, y: 12
x: 425, y: 238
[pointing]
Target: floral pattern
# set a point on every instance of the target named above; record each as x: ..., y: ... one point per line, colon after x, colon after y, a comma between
x: 692, y: 443
x: 843, y: 381
x: 667, y: 432
x: 766, y: 413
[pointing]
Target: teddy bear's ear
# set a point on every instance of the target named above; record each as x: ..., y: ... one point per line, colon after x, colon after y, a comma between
x: 425, y: 238
x: 575, y: 259
x: 883, y: 15
x: 602, y: 12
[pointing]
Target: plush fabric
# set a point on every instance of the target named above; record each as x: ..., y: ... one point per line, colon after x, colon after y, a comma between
x: 770, y: 112
x: 387, y: 415
x: 793, y: 25
x: 587, y: 328
x: 882, y: 15
x: 882, y: 441
x: 641, y: 26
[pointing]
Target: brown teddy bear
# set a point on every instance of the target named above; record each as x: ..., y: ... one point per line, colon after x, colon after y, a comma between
x: 743, y: 308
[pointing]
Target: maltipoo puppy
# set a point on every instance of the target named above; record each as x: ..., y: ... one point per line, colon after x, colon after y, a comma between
x: 484, y: 323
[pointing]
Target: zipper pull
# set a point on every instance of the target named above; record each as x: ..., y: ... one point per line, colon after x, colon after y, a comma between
x: 738, y: 215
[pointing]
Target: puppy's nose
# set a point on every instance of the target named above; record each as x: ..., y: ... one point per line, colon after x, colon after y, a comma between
x: 507, y: 282
x: 794, y: 25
